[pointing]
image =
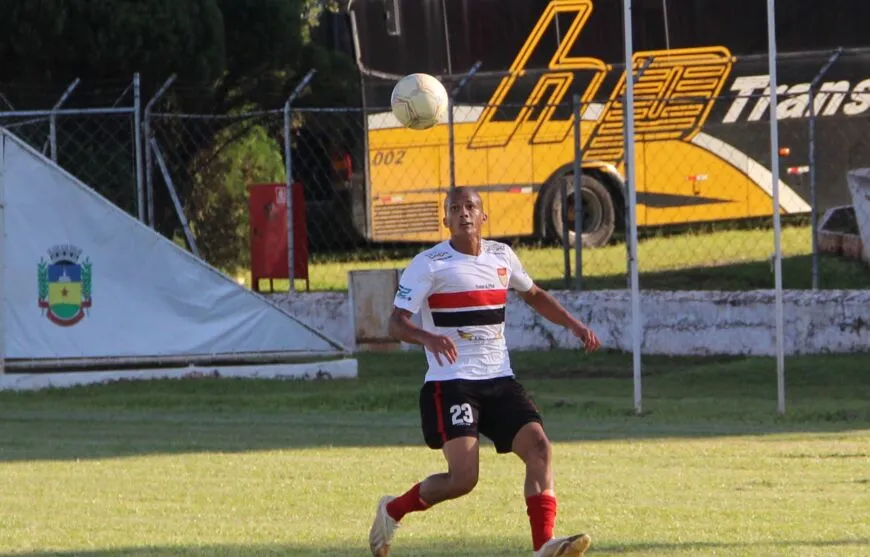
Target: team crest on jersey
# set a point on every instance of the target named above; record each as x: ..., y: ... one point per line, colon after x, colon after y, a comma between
x: 471, y: 337
x: 503, y: 276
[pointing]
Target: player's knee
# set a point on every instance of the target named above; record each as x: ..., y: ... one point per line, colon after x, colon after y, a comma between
x: 541, y: 450
x: 463, y: 482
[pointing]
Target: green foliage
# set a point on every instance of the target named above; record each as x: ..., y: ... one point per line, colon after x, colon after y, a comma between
x: 217, y: 205
x: 228, y: 55
x: 54, y: 41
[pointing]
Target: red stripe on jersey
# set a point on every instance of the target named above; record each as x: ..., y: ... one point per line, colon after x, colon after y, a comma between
x: 469, y: 299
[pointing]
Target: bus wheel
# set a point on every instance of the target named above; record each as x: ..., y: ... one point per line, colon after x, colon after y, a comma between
x: 599, y: 212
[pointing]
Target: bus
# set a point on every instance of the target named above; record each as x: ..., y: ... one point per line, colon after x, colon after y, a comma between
x: 701, y: 111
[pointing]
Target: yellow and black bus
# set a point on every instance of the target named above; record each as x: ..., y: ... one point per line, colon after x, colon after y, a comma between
x: 702, y: 110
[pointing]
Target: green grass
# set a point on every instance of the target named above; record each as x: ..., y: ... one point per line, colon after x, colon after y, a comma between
x: 717, y: 260
x: 254, y: 468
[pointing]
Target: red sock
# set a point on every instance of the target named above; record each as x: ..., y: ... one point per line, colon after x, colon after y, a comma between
x: 542, y: 517
x: 407, y: 503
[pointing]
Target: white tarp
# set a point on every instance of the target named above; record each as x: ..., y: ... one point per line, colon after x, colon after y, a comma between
x: 82, y: 278
x: 859, y: 186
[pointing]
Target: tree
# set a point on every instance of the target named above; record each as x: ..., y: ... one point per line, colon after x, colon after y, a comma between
x: 228, y: 55
x: 50, y: 42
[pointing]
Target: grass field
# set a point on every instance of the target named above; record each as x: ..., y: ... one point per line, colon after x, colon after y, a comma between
x: 255, y: 468
x: 719, y: 260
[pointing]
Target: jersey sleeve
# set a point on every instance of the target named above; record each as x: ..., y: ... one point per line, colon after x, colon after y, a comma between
x: 520, y: 279
x: 414, y: 286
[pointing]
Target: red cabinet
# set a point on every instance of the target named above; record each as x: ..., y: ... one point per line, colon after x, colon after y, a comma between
x: 267, y: 204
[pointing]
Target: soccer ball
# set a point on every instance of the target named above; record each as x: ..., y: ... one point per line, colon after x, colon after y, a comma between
x: 419, y: 101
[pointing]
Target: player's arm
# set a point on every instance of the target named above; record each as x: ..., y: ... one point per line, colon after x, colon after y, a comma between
x: 414, y: 286
x: 403, y: 329
x: 549, y: 307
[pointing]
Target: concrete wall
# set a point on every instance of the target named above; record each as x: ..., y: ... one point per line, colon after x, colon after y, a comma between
x: 676, y: 323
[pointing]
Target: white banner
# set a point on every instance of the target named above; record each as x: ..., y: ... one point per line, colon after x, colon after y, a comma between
x: 85, y: 279
x: 859, y: 186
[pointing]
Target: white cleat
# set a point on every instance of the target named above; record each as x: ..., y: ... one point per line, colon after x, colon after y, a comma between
x: 570, y: 546
x: 383, y: 529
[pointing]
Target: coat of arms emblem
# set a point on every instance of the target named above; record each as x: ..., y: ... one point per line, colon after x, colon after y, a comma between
x: 64, y: 285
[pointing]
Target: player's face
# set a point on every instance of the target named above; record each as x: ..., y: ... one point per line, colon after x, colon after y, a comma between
x: 464, y: 214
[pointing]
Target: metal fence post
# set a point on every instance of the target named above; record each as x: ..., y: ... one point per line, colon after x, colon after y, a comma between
x: 149, y: 178
x: 451, y: 101
x: 631, y: 232
x: 566, y: 232
x: 629, y: 210
x: 52, y: 119
x: 814, y: 214
x: 288, y: 169
x: 578, y: 195
x: 137, y: 139
x: 176, y: 202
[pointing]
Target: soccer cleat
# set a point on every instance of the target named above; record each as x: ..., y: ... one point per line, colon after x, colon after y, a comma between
x: 570, y: 546
x: 383, y: 529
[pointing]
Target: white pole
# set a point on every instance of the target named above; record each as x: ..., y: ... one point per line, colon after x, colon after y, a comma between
x: 777, y: 231
x: 632, y: 204
x: 3, y: 305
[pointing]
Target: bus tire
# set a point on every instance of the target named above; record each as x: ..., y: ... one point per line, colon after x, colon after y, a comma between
x: 599, y: 210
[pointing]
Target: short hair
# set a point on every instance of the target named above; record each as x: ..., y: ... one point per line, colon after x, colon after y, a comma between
x: 471, y: 191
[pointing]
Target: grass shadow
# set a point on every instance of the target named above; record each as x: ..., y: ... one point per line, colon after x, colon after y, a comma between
x: 582, y: 397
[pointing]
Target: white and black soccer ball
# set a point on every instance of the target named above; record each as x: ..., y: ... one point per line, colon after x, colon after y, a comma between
x: 419, y: 101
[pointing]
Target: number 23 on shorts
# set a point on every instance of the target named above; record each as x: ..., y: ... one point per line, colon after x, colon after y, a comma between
x: 461, y: 414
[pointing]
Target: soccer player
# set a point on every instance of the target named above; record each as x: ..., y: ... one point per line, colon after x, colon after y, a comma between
x: 470, y: 389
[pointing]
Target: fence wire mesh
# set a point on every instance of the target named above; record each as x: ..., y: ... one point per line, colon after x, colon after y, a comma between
x: 210, y: 161
x: 97, y: 147
x: 374, y: 190
x: 843, y: 229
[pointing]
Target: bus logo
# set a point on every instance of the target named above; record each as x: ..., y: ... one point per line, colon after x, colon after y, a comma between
x: 674, y: 92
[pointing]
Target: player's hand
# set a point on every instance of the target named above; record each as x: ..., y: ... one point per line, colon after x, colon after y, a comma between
x: 441, y: 345
x: 587, y: 337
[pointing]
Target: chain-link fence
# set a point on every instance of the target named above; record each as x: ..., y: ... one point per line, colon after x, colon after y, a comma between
x: 373, y: 191
x: 90, y: 131
x: 704, y: 194
x: 209, y: 162
x: 704, y: 181
x: 373, y: 198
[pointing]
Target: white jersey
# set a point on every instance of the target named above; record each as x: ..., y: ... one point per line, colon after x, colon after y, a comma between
x: 463, y: 297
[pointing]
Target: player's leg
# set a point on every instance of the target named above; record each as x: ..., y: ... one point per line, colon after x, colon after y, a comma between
x: 515, y: 425
x: 449, y: 416
x: 463, y: 468
x: 462, y: 455
x: 533, y: 446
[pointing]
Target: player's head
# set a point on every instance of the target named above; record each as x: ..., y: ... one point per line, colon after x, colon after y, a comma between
x: 463, y: 212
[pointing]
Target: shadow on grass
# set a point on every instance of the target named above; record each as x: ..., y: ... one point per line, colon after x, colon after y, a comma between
x: 447, y: 548
x: 582, y: 398
x: 834, y: 273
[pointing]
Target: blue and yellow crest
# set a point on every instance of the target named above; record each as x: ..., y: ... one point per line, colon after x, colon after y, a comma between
x: 64, y: 285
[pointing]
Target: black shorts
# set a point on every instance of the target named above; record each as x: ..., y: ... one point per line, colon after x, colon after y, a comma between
x: 497, y: 408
